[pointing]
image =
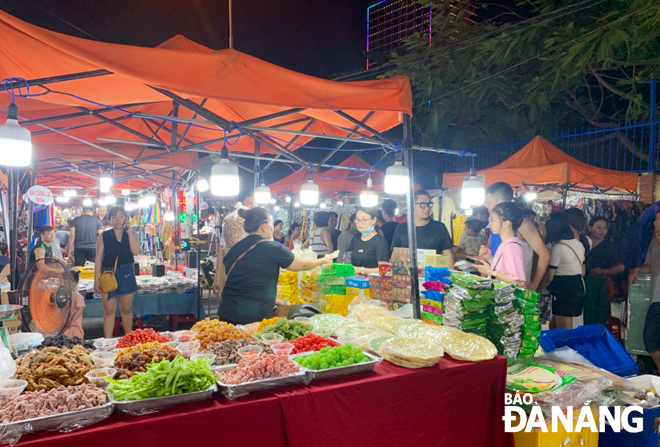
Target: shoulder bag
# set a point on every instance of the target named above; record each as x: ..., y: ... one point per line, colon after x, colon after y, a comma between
x: 107, y: 280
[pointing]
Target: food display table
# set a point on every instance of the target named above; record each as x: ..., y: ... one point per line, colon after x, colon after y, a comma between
x: 152, y: 304
x: 451, y: 404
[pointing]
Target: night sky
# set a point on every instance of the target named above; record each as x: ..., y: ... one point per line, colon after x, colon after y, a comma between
x: 317, y: 37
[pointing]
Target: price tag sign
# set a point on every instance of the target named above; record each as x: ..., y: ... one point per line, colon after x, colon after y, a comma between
x: 40, y: 195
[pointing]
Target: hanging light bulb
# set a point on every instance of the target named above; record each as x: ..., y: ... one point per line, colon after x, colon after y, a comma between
x: 276, y: 208
x: 150, y: 198
x: 369, y: 196
x: 309, y: 192
x: 125, y: 192
x: 296, y: 204
x: 102, y: 202
x: 130, y: 206
x: 397, y: 177
x: 105, y: 182
x: 110, y: 199
x: 262, y: 193
x: 62, y: 199
x: 87, y: 202
x: 169, y: 216
x: 473, y: 192
x: 468, y: 212
x: 202, y: 185
x: 273, y: 201
x: 15, y: 141
x: 340, y: 202
x: 287, y: 199
x: 225, y: 181
x: 142, y: 202
x: 323, y: 205
x: 530, y: 196
x: 69, y: 193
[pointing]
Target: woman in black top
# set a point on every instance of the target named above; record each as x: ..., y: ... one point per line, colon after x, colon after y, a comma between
x: 278, y: 235
x: 253, y: 267
x: 117, y: 247
x: 368, y: 248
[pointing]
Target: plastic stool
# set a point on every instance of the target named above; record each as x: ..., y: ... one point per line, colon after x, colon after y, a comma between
x: 181, y: 318
x: 137, y: 323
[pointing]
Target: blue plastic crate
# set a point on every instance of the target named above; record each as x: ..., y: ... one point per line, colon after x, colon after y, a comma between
x: 596, y: 343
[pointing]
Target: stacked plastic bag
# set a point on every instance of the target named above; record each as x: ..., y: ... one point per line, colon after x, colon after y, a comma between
x: 466, y: 303
x: 527, y: 303
x: 505, y: 321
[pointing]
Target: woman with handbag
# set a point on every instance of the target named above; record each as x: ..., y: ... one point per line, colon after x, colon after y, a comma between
x: 253, y: 267
x: 114, y: 276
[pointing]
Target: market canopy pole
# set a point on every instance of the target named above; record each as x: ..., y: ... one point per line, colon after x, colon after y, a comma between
x: 412, y: 229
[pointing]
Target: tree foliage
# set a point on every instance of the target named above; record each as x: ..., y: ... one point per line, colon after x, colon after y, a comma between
x: 513, y: 77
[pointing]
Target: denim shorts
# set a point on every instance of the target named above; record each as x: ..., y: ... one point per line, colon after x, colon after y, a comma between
x: 126, y: 284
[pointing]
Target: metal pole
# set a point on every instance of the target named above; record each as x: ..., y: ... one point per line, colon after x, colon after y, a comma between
x: 199, y: 265
x: 13, y: 223
x: 231, y: 28
x: 652, y: 122
x: 257, y: 163
x: 412, y: 229
x: 30, y: 211
x: 176, y: 221
x: 564, y: 193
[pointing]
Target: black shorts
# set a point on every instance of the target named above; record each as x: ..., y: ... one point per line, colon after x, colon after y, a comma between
x: 567, y: 295
x: 652, y: 328
x: 80, y: 255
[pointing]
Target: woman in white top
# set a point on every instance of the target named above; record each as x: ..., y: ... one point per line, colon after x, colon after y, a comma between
x: 565, y: 272
x: 320, y: 240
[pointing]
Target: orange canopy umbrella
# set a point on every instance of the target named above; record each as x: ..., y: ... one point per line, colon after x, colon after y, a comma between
x: 115, y: 95
x: 540, y: 162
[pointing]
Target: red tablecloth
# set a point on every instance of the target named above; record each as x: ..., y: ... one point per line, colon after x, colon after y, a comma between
x: 454, y: 404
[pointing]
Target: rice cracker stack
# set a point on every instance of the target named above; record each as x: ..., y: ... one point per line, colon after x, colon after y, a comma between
x: 468, y: 347
x: 411, y: 352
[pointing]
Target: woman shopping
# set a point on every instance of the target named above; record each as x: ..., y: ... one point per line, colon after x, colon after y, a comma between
x: 278, y: 234
x: 320, y: 240
x: 603, y: 270
x: 368, y: 248
x: 253, y: 267
x: 115, y: 251
x: 565, y: 272
x: 508, y: 264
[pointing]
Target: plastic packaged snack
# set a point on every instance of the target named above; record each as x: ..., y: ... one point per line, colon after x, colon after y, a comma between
x: 411, y: 352
x: 469, y: 347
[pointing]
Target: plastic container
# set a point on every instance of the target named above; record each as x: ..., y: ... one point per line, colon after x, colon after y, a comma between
x: 282, y: 348
x: 12, y: 387
x: 185, y: 336
x: 271, y: 338
x: 103, y: 358
x: 189, y: 346
x: 203, y: 355
x: 536, y: 438
x: 650, y: 436
x: 305, y: 320
x: 322, y: 332
x: 97, y: 376
x: 23, y: 341
x: 172, y: 344
x: 252, y: 350
x: 171, y: 335
x: 596, y: 343
x: 106, y: 344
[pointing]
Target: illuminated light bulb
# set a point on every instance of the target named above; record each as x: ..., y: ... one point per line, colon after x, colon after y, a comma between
x: 62, y: 199
x: 105, y: 182
x: 473, y: 192
x: 15, y: 141
x: 397, y: 178
x: 202, y: 185
x: 369, y: 196
x: 287, y: 199
x: 69, y: 193
x: 88, y: 202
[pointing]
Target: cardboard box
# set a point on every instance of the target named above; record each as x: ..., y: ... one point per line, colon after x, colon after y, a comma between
x: 283, y: 310
x: 435, y: 260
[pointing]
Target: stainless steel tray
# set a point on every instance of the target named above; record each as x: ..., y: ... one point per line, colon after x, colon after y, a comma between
x: 234, y: 391
x: 144, y: 406
x: 64, y: 422
x: 341, y: 370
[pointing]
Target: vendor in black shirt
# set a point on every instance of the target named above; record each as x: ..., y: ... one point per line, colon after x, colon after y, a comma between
x: 388, y: 211
x: 253, y: 267
x: 431, y: 235
x: 42, y: 248
x: 368, y: 247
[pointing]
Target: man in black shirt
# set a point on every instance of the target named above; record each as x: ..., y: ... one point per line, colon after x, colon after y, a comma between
x: 388, y: 211
x: 84, y: 232
x: 431, y: 235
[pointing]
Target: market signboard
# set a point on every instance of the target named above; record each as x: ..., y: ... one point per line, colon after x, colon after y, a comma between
x: 40, y: 195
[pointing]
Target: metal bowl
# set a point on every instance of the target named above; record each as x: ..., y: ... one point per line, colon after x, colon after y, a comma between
x: 9, y: 311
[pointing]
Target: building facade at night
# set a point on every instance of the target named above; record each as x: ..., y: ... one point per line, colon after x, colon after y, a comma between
x: 390, y: 22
